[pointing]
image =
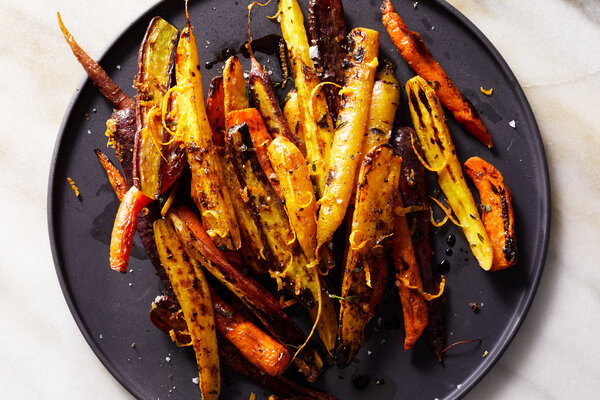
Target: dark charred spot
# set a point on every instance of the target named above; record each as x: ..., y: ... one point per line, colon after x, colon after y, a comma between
x: 361, y: 381
x: 323, y: 123
x: 418, y: 44
x: 377, y: 131
x: 330, y: 177
x: 415, y: 105
x: 359, y: 55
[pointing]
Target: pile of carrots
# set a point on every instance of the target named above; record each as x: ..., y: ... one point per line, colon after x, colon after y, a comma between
x: 246, y: 189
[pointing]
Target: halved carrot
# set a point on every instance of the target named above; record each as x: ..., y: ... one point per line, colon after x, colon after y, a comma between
x: 215, y: 102
x: 124, y: 228
x: 349, y: 136
x: 234, y: 88
x: 497, y: 210
x: 414, y: 307
x: 192, y: 291
x: 416, y: 53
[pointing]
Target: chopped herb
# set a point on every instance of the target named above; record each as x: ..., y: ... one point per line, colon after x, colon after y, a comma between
x: 487, y: 208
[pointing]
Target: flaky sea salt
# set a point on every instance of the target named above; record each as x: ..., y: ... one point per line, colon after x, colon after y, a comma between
x: 512, y: 124
x: 196, y: 380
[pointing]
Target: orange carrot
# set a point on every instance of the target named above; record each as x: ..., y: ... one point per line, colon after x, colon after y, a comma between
x: 124, y: 228
x: 498, y: 215
x: 255, y: 345
x: 416, y: 53
x: 215, y: 112
x: 114, y: 176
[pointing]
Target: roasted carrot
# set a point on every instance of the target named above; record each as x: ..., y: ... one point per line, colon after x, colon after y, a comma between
x: 114, y: 177
x: 156, y: 60
x: 280, y: 385
x: 124, y: 228
x: 253, y: 245
x: 262, y: 94
x: 300, y: 201
x: 328, y: 32
x: 234, y: 88
x: 260, y: 139
x: 413, y: 191
x: 382, y: 111
x: 416, y: 53
x: 414, y: 307
x: 288, y: 264
x: 166, y: 315
x: 291, y: 113
x: 365, y: 273
x: 260, y: 301
x: 192, y: 291
x: 349, y: 136
x: 215, y: 102
x: 255, y: 345
x: 208, y: 189
x: 109, y: 89
x: 497, y: 210
x: 314, y: 115
x: 436, y: 143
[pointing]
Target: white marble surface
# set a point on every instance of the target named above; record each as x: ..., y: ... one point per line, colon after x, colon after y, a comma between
x: 552, y: 47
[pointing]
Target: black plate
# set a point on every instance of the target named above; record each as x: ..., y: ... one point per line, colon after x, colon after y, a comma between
x: 111, y: 309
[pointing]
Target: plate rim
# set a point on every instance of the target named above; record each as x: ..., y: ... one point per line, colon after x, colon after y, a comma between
x: 539, y: 255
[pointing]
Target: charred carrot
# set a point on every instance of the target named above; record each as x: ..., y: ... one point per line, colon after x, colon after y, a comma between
x: 250, y: 292
x: 280, y: 385
x: 234, y: 88
x: 416, y: 53
x: 413, y: 190
x: 208, y: 189
x: 365, y: 272
x: 414, y: 307
x: 124, y: 228
x: 260, y: 139
x: 192, y: 291
x: 114, y: 177
x: 263, y: 96
x: 328, y: 32
x: 436, y: 143
x: 255, y: 345
x: 300, y: 201
x: 349, y: 136
x: 215, y: 102
x: 291, y: 113
x: 314, y: 113
x: 497, y: 210
x: 156, y: 60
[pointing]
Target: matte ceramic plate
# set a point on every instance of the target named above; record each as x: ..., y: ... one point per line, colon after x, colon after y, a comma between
x: 111, y: 309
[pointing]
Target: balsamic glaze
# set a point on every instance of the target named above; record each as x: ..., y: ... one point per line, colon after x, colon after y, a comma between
x: 361, y: 381
x: 268, y: 44
x: 443, y: 267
